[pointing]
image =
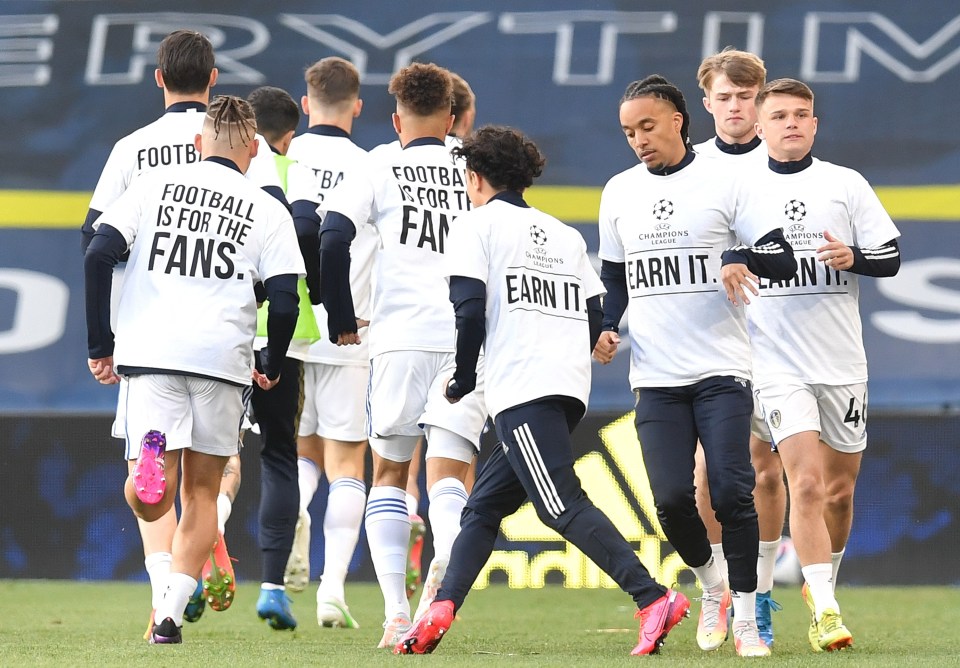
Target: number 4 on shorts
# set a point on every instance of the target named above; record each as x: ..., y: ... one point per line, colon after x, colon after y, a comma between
x: 853, y: 415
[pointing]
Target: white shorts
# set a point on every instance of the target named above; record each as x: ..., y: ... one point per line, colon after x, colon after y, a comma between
x: 334, y: 402
x: 197, y: 413
x: 758, y: 428
x: 837, y: 412
x: 406, y: 392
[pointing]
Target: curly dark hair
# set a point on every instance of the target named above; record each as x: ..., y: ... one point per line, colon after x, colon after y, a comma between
x: 424, y: 88
x: 503, y: 156
x: 658, y: 87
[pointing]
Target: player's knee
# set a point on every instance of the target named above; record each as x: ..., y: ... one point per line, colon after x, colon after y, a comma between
x: 480, y: 517
x: 839, y: 498
x: 769, y: 480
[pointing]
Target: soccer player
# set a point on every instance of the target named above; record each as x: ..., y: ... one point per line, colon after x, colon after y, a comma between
x: 413, y: 197
x: 186, y: 73
x: 810, y: 365
x: 522, y: 286
x: 730, y: 81
x: 199, y: 236
x: 332, y: 435
x: 669, y: 246
x: 277, y: 412
x: 464, y: 111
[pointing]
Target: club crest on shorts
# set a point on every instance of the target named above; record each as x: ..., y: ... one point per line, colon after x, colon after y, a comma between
x: 775, y: 419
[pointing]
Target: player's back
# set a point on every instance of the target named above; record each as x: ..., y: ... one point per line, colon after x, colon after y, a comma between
x: 167, y: 141
x: 332, y: 157
x: 538, y: 341
x: 201, y: 237
x: 413, y: 197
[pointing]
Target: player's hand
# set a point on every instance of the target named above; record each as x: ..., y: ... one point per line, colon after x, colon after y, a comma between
x: 263, y: 382
x: 102, y: 369
x: 361, y: 323
x: 739, y: 281
x: 835, y: 254
x: 606, y: 347
x: 348, y: 339
x: 454, y: 391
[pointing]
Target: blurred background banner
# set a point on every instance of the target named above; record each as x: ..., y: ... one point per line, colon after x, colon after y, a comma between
x: 76, y: 76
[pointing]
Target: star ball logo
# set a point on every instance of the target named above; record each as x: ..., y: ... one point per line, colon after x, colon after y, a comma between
x: 795, y: 210
x: 663, y: 209
x: 537, y: 235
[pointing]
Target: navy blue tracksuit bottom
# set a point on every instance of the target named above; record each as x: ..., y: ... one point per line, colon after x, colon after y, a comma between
x: 669, y: 421
x: 535, y: 460
x: 277, y: 412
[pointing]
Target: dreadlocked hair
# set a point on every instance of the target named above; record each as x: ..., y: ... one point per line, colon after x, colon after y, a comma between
x: 228, y: 112
x: 658, y: 87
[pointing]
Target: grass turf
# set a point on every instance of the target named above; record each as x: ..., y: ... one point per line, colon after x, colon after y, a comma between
x: 46, y: 623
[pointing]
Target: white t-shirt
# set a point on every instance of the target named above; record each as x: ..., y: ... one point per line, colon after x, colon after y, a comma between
x: 200, y: 237
x: 808, y: 328
x: 538, y: 279
x: 670, y: 231
x: 165, y: 142
x: 413, y: 198
x: 332, y: 158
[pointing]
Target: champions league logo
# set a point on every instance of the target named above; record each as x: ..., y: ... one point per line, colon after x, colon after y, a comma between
x: 537, y: 235
x: 663, y: 209
x: 795, y: 210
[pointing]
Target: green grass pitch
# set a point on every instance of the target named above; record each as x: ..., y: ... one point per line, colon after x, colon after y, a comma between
x: 56, y: 623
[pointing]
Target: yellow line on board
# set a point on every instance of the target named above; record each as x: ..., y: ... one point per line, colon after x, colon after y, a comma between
x: 574, y: 204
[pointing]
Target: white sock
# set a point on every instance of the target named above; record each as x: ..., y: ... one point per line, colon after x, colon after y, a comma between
x: 341, y: 530
x: 158, y: 569
x: 721, y: 559
x: 388, y: 535
x: 819, y: 579
x: 180, y: 588
x: 413, y: 505
x: 744, y: 605
x: 710, y: 577
x: 766, y: 562
x: 224, y: 508
x: 447, y: 496
x: 308, y: 477
x: 835, y: 559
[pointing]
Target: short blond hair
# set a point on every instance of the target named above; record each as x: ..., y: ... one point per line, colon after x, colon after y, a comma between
x: 742, y: 68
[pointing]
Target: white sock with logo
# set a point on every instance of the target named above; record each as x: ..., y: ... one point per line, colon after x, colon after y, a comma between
x: 766, y: 562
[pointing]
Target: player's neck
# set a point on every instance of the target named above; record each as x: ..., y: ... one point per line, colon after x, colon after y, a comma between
x: 173, y: 98
x: 738, y: 146
x: 344, y: 122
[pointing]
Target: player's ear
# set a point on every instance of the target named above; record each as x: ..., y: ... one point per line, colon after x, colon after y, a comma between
x: 254, y: 148
x: 706, y: 104
x: 396, y: 122
x: 305, y: 105
x: 214, y: 73
x: 814, y: 125
x: 198, y: 143
x: 158, y: 77
x: 357, y: 108
x: 759, y: 130
x: 450, y: 122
